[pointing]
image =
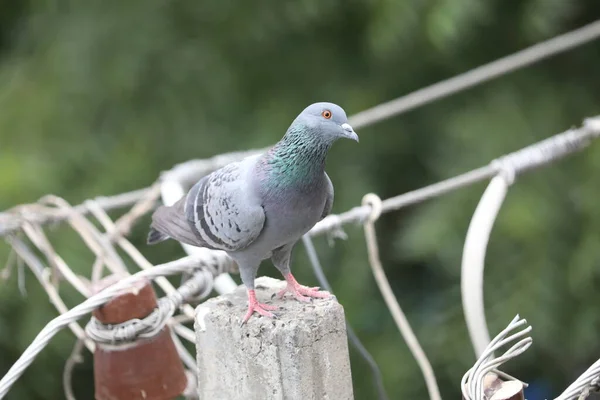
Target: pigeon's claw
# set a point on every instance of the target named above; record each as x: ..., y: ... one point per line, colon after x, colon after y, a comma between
x: 300, y: 292
x: 259, y: 308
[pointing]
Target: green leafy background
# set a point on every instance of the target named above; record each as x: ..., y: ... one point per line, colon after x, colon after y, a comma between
x: 97, y: 97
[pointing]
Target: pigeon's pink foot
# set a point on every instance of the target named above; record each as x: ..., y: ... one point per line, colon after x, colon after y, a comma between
x: 300, y: 292
x: 255, y: 306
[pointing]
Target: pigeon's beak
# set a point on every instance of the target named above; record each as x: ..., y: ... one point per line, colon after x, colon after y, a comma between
x: 349, y: 132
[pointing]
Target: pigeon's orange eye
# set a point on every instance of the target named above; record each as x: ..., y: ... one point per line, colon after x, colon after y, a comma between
x: 326, y: 114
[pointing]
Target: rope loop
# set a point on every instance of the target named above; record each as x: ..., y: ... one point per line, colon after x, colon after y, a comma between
x: 506, y: 169
x: 593, y: 125
x: 374, y: 202
x: 200, y: 285
x: 197, y: 287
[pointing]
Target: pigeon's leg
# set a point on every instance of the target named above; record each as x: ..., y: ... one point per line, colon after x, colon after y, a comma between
x: 248, y: 274
x: 281, y: 260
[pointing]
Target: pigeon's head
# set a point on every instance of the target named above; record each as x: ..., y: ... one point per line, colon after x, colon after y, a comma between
x: 327, y: 120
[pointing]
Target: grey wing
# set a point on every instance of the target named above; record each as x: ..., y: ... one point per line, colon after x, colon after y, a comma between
x: 329, y: 200
x: 223, y: 211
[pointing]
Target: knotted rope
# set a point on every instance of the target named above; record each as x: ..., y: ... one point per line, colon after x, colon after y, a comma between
x: 374, y: 202
x: 200, y: 285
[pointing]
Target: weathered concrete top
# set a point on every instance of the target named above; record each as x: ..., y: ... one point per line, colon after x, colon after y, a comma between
x: 301, y: 355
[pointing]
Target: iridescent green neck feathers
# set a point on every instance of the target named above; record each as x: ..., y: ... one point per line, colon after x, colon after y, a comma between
x: 298, y: 159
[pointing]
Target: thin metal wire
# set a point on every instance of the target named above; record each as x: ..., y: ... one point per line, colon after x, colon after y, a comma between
x: 593, y: 388
x: 487, y: 210
x: 472, y: 381
x: 74, y: 358
x: 93, y: 238
x: 374, y: 202
x: 113, y: 231
x: 188, y: 360
x: 479, y: 75
x: 200, y: 285
x: 12, y: 220
x: 530, y: 157
x: 185, y: 264
x: 587, y: 382
x: 42, y: 274
x: 105, y: 254
x: 473, y: 261
x: 543, y: 152
x: 318, y: 270
x: 58, y: 265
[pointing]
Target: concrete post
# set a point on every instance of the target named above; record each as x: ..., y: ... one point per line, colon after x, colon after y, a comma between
x: 301, y: 355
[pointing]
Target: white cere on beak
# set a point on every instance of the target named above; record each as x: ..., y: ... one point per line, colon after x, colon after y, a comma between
x: 350, y: 134
x: 347, y: 128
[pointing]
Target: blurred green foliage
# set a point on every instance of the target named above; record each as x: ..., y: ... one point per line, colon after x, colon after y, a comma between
x: 97, y: 97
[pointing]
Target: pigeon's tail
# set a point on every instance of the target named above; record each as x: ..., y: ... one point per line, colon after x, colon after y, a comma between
x: 171, y: 223
x: 154, y: 236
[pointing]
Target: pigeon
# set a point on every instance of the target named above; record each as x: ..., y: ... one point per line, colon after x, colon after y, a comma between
x: 259, y: 207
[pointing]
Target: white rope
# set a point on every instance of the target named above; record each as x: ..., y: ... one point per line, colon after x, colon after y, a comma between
x: 115, y: 232
x: 191, y: 171
x: 11, y: 220
x: 112, y: 230
x: 59, y: 266
x: 93, y: 238
x: 543, y: 153
x: 74, y: 358
x: 479, y: 75
x: 472, y: 383
x: 586, y: 383
x: 474, y: 250
x: 199, y: 285
x: 42, y: 274
x: 483, y: 219
x: 188, y: 360
x: 187, y: 264
x: 533, y: 156
x: 352, y: 337
x: 374, y: 202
